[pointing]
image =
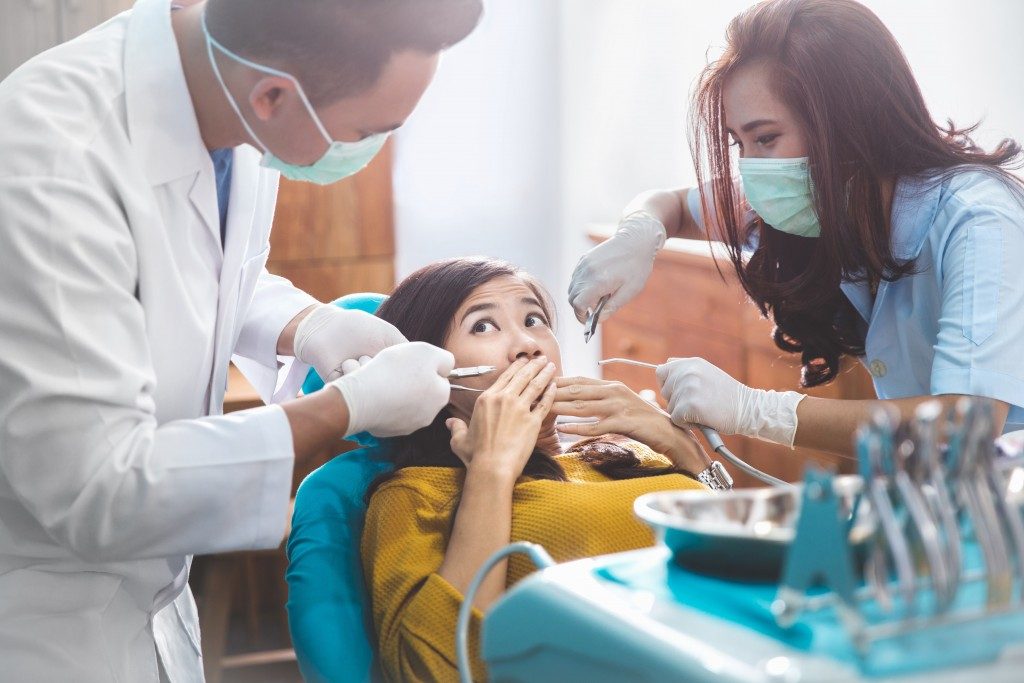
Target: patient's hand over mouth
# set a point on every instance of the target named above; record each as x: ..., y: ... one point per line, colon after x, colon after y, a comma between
x: 506, y: 419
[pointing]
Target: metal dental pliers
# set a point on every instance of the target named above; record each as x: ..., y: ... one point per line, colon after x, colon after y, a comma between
x: 590, y: 327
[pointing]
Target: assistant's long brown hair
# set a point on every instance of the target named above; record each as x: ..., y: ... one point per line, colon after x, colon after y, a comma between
x: 836, y: 66
x: 423, y: 307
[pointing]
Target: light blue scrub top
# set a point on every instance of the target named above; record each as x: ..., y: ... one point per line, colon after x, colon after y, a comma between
x: 956, y: 325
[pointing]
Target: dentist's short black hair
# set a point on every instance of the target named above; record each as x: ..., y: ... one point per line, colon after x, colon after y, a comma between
x: 338, y: 48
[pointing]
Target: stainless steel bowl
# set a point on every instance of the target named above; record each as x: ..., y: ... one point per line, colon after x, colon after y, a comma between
x: 741, y: 534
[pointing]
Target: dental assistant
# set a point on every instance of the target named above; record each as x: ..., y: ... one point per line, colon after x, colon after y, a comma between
x: 856, y: 223
x: 139, y: 167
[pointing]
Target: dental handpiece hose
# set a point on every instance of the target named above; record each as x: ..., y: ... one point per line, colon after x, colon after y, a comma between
x: 540, y: 558
x: 714, y: 439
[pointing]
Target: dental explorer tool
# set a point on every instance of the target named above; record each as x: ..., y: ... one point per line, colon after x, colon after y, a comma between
x: 474, y: 371
x: 590, y: 327
x: 714, y: 439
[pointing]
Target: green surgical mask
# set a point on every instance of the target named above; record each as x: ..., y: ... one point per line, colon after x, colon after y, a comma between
x: 779, y: 191
x: 341, y: 159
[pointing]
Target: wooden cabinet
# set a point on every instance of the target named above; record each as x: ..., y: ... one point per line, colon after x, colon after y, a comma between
x: 688, y: 309
x: 337, y: 239
x: 27, y: 27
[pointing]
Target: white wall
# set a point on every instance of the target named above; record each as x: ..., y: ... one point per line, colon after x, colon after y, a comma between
x: 556, y: 112
x: 477, y: 165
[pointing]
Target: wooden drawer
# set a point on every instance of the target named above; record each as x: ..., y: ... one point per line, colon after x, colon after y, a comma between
x: 630, y: 334
x: 624, y: 336
x: 686, y: 296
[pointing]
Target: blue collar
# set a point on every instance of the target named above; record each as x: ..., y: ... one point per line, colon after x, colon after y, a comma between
x: 915, y: 203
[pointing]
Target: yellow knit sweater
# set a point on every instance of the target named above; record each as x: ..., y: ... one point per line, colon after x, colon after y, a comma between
x: 407, y: 528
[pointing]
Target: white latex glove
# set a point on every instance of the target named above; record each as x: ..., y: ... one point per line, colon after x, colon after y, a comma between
x: 398, y: 391
x: 351, y: 365
x: 699, y: 393
x: 619, y: 266
x: 329, y: 336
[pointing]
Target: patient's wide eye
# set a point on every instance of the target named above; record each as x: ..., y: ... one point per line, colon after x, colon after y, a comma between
x: 535, y: 319
x: 481, y: 326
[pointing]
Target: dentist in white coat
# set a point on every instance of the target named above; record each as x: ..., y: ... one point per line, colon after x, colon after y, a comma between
x: 134, y: 228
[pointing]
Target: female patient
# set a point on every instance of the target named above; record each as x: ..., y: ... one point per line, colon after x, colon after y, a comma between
x: 491, y: 468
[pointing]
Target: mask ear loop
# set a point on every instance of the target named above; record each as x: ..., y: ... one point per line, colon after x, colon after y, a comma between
x: 212, y: 42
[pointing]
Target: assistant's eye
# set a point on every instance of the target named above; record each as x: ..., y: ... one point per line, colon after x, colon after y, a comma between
x: 535, y: 319
x: 767, y: 139
x: 482, y: 326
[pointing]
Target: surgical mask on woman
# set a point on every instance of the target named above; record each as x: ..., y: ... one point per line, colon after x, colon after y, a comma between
x: 779, y: 190
x: 341, y: 159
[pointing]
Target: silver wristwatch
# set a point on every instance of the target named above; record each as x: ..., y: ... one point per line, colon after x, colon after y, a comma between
x: 715, y: 477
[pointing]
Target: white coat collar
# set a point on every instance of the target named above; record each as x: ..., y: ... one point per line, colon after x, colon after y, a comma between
x: 162, y: 123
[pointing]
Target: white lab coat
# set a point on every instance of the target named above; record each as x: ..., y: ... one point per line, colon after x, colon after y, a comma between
x: 118, y: 315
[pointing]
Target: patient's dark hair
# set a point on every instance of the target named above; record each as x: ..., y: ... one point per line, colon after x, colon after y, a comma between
x: 422, y: 307
x: 338, y: 48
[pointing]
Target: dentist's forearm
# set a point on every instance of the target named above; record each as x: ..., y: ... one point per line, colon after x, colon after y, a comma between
x: 318, y: 421
x: 670, y: 207
x: 483, y: 525
x: 286, y: 342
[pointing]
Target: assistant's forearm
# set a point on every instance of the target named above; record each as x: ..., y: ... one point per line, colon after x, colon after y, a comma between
x: 668, y: 206
x: 826, y: 424
x: 483, y: 525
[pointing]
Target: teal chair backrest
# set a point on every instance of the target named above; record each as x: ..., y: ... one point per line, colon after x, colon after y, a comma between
x: 328, y: 607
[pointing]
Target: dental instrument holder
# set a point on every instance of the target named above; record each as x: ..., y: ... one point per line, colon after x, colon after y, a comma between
x: 916, y: 603
x: 820, y: 555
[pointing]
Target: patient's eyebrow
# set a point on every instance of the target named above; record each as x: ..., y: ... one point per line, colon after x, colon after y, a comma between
x: 476, y: 308
x: 530, y: 301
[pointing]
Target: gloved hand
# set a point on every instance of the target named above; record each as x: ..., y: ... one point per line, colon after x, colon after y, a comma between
x: 701, y: 393
x: 329, y: 336
x: 353, y: 364
x: 400, y: 390
x: 619, y: 267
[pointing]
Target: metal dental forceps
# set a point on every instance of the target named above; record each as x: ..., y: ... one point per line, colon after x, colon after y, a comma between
x: 713, y: 437
x: 908, y: 484
x: 879, y: 472
x: 975, y: 453
x: 931, y: 481
x: 590, y: 327
x: 474, y: 371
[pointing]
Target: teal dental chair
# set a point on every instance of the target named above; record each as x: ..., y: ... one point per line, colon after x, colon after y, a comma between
x: 328, y: 605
